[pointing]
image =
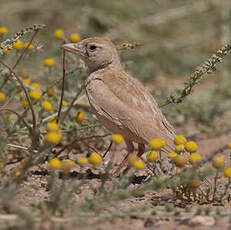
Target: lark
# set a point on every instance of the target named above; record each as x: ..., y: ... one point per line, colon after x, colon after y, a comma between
x: 120, y: 102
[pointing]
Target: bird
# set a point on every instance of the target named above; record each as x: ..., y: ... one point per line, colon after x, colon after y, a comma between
x: 119, y: 101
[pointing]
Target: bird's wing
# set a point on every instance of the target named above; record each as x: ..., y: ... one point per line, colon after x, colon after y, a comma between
x: 127, y: 103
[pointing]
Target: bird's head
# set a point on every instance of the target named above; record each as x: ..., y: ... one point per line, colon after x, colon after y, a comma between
x: 97, y: 53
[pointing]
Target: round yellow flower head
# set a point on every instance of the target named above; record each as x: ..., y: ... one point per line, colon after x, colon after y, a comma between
x: 95, y: 159
x: 194, y: 184
x: 5, y: 50
x: 64, y: 103
x: 55, y: 164
x: 138, y: 164
x: 157, y: 143
x: 58, y: 34
x: 218, y: 162
x: 195, y: 158
x: 82, y: 160
x: 179, y: 148
x: 2, y: 98
x: 179, y: 140
x: 3, y: 30
x: 51, y: 92
x: 27, y: 81
x: 18, y: 45
x: 35, y: 94
x: 191, y: 146
x: 24, y: 73
x: 52, y: 127
x: 152, y: 156
x: 180, y: 161
x: 49, y: 62
x: 53, y: 137
x: 24, y: 102
x: 67, y: 165
x: 36, y: 85
x: 80, y: 116
x: 229, y: 145
x: 47, y: 106
x: 227, y: 172
x: 172, y: 155
x: 117, y: 138
x: 28, y: 46
x: 75, y: 38
x: 132, y: 158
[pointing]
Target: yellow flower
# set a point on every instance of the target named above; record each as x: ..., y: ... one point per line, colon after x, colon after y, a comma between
x: 179, y: 148
x: 80, y: 116
x: 82, y: 160
x: 229, y: 145
x: 53, y: 137
x: 138, y: 164
x: 55, y: 163
x: 49, y: 62
x: 193, y: 184
x: 191, y: 146
x: 180, y: 161
x: 2, y: 98
x: 227, y: 172
x: 132, y: 158
x: 53, y: 119
x: 47, y: 106
x: 218, y: 162
x: 152, y: 156
x: 180, y: 140
x: 35, y: 94
x: 194, y: 158
x: 5, y: 50
x: 75, y: 37
x: 52, y: 127
x: 36, y: 85
x: 64, y: 102
x: 58, y: 34
x: 3, y: 30
x: 95, y: 159
x: 67, y: 165
x: 8, y: 118
x: 117, y: 138
x: 27, y: 81
x: 157, y: 143
x: 24, y: 73
x: 29, y: 47
x: 127, y: 44
x: 50, y: 92
x: 18, y: 45
x: 172, y: 155
x: 24, y: 102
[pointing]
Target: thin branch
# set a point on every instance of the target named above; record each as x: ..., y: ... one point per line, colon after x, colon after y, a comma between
x: 78, y: 140
x: 63, y: 87
x: 25, y: 91
x: 72, y: 103
x: 207, y: 67
x: 25, y: 49
x: 19, y: 116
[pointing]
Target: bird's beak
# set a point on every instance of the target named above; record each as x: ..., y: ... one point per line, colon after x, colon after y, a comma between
x: 73, y: 48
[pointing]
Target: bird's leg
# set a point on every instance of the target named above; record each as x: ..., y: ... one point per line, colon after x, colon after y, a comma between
x: 130, y: 149
x: 141, y: 149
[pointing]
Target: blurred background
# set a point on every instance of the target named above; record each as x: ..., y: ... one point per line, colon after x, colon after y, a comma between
x: 174, y: 36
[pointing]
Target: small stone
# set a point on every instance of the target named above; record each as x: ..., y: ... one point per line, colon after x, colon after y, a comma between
x: 200, y: 220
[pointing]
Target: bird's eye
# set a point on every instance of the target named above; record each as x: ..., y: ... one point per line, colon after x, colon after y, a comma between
x: 92, y: 47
